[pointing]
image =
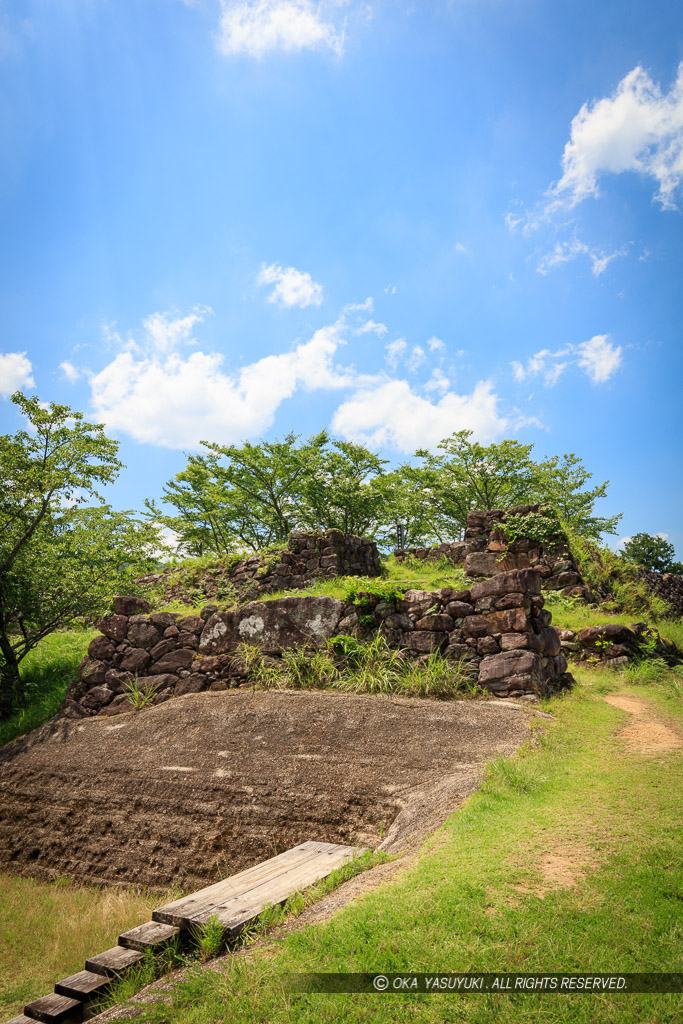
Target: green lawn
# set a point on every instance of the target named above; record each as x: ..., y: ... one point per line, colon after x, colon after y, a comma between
x: 567, y: 860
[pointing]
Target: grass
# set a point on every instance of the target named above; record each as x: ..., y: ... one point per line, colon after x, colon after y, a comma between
x: 48, y: 930
x: 485, y: 894
x: 569, y: 613
x: 349, y: 665
x: 47, y: 671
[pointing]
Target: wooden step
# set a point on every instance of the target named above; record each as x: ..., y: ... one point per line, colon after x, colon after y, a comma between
x: 240, y: 899
x: 21, y: 1019
x: 55, y: 1008
x: 150, y: 935
x: 82, y: 986
x: 116, y: 960
x: 182, y: 912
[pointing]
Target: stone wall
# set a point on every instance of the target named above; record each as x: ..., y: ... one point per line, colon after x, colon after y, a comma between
x: 616, y: 646
x: 485, y: 552
x: 308, y: 556
x: 497, y: 632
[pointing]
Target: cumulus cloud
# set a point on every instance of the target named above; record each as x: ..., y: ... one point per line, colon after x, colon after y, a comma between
x: 390, y: 289
x: 16, y: 373
x: 371, y: 416
x: 416, y: 359
x: 435, y: 344
x: 598, y: 358
x: 166, y: 397
x: 291, y: 287
x: 69, y: 371
x: 638, y: 128
x: 257, y: 27
x: 438, y: 382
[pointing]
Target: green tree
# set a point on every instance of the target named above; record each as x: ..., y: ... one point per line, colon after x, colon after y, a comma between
x: 343, y: 488
x: 469, y: 476
x: 59, y: 558
x: 653, y: 553
x: 560, y: 482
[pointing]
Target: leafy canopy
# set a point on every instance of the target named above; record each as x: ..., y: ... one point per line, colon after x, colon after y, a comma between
x: 653, y: 553
x: 60, y: 557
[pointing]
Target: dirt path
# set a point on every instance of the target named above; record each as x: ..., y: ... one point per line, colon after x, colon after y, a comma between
x: 207, y: 783
x: 645, y: 733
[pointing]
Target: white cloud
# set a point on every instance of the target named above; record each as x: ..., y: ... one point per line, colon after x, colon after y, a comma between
x: 175, y: 400
x: 371, y: 327
x: 391, y: 414
x: 15, y: 373
x: 255, y: 27
x: 359, y: 307
x: 459, y: 247
x: 512, y: 222
x: 599, y: 358
x: 565, y: 252
x: 638, y: 128
x: 417, y: 358
x: 438, y: 382
x: 390, y: 289
x: 600, y: 262
x: 435, y: 344
x: 394, y: 351
x: 69, y: 371
x: 292, y: 287
x: 562, y: 252
x: 167, y: 332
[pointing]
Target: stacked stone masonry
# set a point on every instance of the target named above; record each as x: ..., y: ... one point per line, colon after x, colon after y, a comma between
x: 497, y: 632
x: 485, y: 552
x: 308, y: 556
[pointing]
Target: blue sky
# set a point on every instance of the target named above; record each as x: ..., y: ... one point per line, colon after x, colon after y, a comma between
x: 231, y: 220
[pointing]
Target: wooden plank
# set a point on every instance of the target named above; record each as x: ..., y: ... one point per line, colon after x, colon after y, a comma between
x: 82, y: 985
x: 239, y: 910
x: 113, y: 961
x: 183, y: 911
x: 148, y: 935
x: 21, y: 1019
x: 55, y: 1008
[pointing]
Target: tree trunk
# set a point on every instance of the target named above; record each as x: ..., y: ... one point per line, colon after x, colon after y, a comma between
x: 10, y: 681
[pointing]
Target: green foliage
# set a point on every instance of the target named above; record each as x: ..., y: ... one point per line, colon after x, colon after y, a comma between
x: 60, y: 558
x: 560, y: 482
x: 653, y: 553
x: 350, y: 665
x: 359, y: 589
x: 612, y: 579
x: 140, y: 696
x: 46, y: 672
x: 543, y: 527
x: 469, y: 476
x: 210, y: 938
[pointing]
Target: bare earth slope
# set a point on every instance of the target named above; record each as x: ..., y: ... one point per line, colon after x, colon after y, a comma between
x: 202, y: 785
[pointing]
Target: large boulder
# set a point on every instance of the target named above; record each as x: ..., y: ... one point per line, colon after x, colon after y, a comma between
x: 517, y: 581
x: 273, y: 626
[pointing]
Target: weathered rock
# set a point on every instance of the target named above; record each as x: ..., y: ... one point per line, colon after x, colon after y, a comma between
x: 144, y: 634
x: 190, y: 624
x: 96, y: 698
x: 173, y: 662
x: 499, y: 667
x: 550, y: 642
x: 195, y: 683
x: 611, y: 633
x: 482, y: 563
x: 520, y: 641
x: 118, y: 681
x: 114, y: 626
x: 131, y: 606
x: 136, y: 660
x: 520, y: 581
x: 459, y: 609
x: 92, y: 672
x: 512, y: 620
x: 120, y: 705
x: 435, y: 622
x: 101, y: 648
x: 164, y: 619
x: 275, y: 625
x: 162, y: 648
x: 475, y: 625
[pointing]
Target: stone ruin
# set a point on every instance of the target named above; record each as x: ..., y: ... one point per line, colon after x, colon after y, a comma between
x: 307, y: 557
x: 485, y: 552
x: 497, y: 632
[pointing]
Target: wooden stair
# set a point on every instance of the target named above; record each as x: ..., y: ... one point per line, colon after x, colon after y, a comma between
x: 235, y: 902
